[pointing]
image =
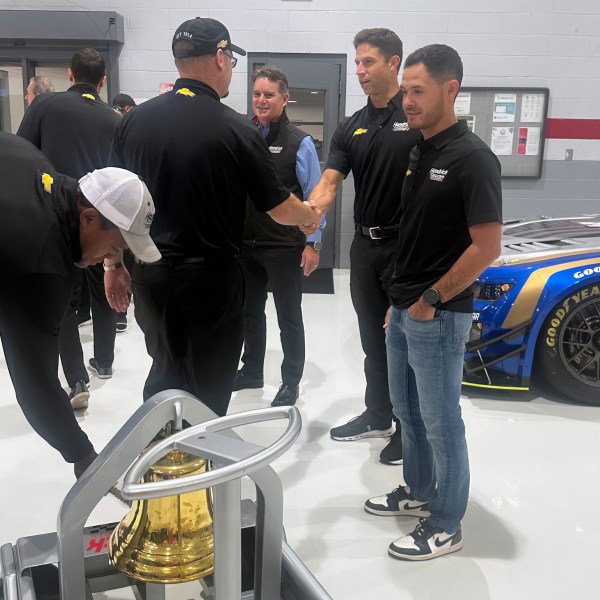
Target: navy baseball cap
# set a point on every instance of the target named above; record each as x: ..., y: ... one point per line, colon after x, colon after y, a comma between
x: 206, y: 36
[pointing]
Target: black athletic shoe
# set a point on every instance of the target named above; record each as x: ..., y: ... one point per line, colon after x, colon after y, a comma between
x: 101, y: 372
x: 121, y: 323
x: 356, y: 429
x: 286, y: 396
x: 392, y: 453
x: 426, y: 542
x: 243, y: 381
x: 398, y: 503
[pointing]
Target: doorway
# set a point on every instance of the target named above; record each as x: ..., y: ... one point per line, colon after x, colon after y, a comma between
x: 317, y: 104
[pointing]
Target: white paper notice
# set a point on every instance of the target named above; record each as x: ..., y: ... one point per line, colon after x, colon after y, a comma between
x: 470, y: 119
x: 462, y: 105
x: 533, y: 141
x: 532, y: 108
x: 505, y: 107
x: 502, y: 140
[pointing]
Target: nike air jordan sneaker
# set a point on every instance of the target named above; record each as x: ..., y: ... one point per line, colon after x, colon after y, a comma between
x: 400, y: 502
x: 426, y: 542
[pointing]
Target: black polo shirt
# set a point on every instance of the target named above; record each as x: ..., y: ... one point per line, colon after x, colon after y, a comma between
x: 455, y: 184
x: 374, y: 144
x: 74, y: 129
x: 199, y: 159
x: 39, y: 228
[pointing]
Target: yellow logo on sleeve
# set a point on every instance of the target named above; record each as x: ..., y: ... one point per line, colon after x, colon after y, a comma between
x: 359, y: 131
x: 185, y: 92
x: 88, y: 96
x: 47, y: 181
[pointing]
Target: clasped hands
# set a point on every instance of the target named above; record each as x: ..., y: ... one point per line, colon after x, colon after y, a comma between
x: 317, y: 214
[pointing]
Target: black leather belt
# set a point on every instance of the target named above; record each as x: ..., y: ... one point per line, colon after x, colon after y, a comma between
x: 378, y: 233
x: 177, y: 261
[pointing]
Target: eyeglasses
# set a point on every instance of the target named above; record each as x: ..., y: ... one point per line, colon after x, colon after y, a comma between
x: 232, y: 58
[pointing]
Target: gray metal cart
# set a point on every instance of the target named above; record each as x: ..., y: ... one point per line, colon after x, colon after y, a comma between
x: 252, y: 558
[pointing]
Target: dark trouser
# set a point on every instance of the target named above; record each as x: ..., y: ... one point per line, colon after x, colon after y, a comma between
x: 371, y: 265
x: 71, y: 352
x: 104, y: 327
x: 104, y: 318
x: 191, y: 316
x: 280, y: 268
x: 128, y: 262
x: 31, y: 312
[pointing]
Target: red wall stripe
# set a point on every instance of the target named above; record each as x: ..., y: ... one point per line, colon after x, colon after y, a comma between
x: 573, y: 129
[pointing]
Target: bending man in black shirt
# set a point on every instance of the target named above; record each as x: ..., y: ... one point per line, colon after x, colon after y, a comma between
x: 200, y: 160
x: 449, y: 233
x: 374, y: 144
x: 49, y: 223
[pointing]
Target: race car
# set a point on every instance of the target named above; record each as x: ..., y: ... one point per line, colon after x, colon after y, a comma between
x: 537, y: 311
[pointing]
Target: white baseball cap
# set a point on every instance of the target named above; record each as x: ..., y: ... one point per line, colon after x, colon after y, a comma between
x: 123, y: 198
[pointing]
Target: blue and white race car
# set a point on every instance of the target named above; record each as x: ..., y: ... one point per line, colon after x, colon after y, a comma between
x: 537, y: 311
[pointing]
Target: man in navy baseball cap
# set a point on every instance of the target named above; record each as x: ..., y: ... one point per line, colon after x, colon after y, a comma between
x: 206, y: 36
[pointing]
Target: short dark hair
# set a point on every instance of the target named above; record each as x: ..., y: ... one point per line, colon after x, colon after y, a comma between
x: 41, y: 85
x: 87, y: 66
x: 123, y: 100
x: 442, y: 62
x: 104, y: 222
x: 273, y: 74
x: 385, y: 40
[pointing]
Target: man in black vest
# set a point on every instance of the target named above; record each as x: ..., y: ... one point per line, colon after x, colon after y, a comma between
x: 277, y: 254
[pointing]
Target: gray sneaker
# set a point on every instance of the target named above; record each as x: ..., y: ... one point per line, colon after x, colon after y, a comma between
x: 79, y: 395
x: 398, y: 503
x: 101, y: 372
x: 357, y: 429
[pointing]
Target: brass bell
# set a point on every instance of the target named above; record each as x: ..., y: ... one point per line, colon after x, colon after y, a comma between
x: 167, y: 540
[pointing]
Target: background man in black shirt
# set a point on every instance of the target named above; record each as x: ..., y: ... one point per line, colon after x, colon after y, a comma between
x: 374, y: 144
x: 49, y: 223
x: 74, y: 130
x: 200, y: 160
x: 450, y: 232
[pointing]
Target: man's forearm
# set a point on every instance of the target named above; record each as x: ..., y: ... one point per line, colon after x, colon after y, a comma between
x: 472, y: 262
x: 294, y: 212
x: 324, y: 193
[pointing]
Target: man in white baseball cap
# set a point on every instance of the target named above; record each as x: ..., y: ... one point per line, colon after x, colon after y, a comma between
x: 50, y: 222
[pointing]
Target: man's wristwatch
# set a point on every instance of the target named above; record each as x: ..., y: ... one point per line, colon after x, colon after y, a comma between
x: 431, y: 297
x: 316, y: 246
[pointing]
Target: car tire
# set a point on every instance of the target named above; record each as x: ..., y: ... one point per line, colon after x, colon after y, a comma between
x: 568, y: 348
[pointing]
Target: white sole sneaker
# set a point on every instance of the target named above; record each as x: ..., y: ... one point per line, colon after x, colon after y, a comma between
x: 374, y: 433
x: 80, y: 401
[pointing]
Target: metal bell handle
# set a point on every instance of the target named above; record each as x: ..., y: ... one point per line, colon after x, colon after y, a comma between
x: 190, y: 440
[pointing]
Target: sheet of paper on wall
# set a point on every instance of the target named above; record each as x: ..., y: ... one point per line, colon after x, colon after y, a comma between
x: 505, y: 107
x: 502, y: 140
x: 462, y: 104
x: 528, y: 142
x: 532, y: 108
x: 470, y: 119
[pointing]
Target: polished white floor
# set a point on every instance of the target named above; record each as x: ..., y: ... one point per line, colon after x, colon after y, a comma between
x: 532, y: 530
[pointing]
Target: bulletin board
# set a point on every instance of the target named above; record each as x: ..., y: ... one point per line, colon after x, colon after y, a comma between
x: 512, y: 122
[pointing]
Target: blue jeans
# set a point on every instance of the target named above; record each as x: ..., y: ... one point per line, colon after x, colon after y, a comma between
x: 425, y: 360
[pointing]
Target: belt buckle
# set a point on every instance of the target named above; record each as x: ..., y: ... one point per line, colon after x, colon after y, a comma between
x: 373, y: 231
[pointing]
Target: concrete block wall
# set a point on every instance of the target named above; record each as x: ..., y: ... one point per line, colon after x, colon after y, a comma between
x: 554, y: 44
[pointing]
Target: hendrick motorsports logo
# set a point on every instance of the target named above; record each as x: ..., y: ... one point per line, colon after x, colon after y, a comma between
x: 397, y: 126
x: 586, y: 272
x: 275, y: 149
x: 438, y: 174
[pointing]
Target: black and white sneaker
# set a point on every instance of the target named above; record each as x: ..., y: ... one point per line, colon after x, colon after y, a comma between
x: 357, y: 429
x: 399, y: 502
x: 392, y: 453
x: 79, y: 396
x: 426, y: 542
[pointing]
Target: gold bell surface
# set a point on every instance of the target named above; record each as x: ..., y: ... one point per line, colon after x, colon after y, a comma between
x: 167, y: 540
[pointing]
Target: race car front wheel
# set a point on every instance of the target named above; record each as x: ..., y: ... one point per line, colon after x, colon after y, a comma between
x: 569, y: 346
